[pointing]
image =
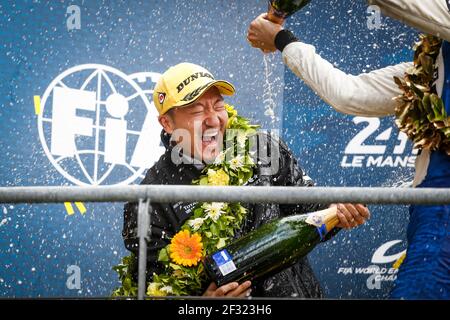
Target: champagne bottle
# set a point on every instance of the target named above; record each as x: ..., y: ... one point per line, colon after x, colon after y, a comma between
x: 270, y: 248
x: 279, y: 10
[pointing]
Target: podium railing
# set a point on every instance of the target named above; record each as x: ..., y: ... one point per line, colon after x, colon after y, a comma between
x: 147, y: 194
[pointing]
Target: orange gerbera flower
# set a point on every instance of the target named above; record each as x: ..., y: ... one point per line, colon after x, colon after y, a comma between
x: 186, y: 250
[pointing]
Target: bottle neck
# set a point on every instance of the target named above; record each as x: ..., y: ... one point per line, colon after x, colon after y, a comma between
x: 324, y: 220
x: 274, y: 15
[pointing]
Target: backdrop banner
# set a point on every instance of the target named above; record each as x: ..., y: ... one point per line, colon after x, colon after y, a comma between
x: 76, y: 83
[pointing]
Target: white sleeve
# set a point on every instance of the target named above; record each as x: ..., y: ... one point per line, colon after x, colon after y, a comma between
x: 367, y: 94
x: 429, y: 16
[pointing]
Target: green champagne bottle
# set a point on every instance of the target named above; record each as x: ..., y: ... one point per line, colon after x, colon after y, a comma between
x: 270, y: 248
x: 279, y: 10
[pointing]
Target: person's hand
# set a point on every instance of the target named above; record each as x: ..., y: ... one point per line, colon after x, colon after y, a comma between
x: 351, y: 215
x: 229, y: 290
x: 261, y: 33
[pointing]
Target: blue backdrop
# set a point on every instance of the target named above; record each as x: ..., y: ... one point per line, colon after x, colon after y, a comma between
x: 107, y: 48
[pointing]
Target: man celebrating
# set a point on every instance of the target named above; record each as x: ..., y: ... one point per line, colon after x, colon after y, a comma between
x: 194, y: 120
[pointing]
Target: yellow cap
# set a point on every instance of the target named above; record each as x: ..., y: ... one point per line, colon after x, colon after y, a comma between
x: 184, y: 83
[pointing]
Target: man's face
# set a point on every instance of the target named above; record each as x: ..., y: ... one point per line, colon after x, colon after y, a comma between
x: 199, y: 128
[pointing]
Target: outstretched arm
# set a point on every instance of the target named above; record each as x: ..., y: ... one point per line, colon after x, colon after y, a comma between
x: 366, y: 94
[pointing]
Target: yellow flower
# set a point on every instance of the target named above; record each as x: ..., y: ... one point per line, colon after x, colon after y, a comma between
x: 218, y: 178
x: 186, y: 250
x: 232, y: 115
x: 154, y: 290
x: 231, y: 110
x: 231, y: 121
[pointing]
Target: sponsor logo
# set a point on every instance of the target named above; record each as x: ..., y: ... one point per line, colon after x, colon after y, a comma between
x: 369, y: 148
x: 194, y: 94
x: 161, y: 97
x: 97, y: 125
x: 193, y: 77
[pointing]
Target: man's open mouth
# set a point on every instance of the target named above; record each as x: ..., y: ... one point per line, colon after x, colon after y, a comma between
x: 210, y: 136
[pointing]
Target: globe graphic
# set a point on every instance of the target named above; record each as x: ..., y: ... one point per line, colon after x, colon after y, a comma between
x: 118, y: 97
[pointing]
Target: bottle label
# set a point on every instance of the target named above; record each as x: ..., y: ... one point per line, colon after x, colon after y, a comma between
x: 224, y: 262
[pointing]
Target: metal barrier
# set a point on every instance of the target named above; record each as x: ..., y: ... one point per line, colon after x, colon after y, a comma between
x: 144, y: 194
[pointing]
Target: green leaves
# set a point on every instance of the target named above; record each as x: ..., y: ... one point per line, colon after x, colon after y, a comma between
x: 163, y: 255
x: 204, y: 181
x: 221, y: 243
x: 421, y: 113
x: 214, y: 229
x: 124, y: 269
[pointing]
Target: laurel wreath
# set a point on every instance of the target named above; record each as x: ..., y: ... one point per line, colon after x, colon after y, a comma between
x: 421, y: 113
x: 215, y: 223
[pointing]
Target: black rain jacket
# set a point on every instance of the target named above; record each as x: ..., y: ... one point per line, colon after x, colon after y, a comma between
x: 167, y: 219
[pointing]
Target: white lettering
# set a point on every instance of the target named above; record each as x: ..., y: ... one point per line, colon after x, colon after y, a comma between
x: 66, y: 124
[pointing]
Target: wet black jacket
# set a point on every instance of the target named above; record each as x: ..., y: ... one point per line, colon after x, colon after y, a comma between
x: 166, y: 219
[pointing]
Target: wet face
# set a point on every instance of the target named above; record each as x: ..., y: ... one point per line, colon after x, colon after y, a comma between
x: 199, y: 128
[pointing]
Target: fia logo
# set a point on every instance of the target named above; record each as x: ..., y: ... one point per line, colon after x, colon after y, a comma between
x: 98, y: 126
